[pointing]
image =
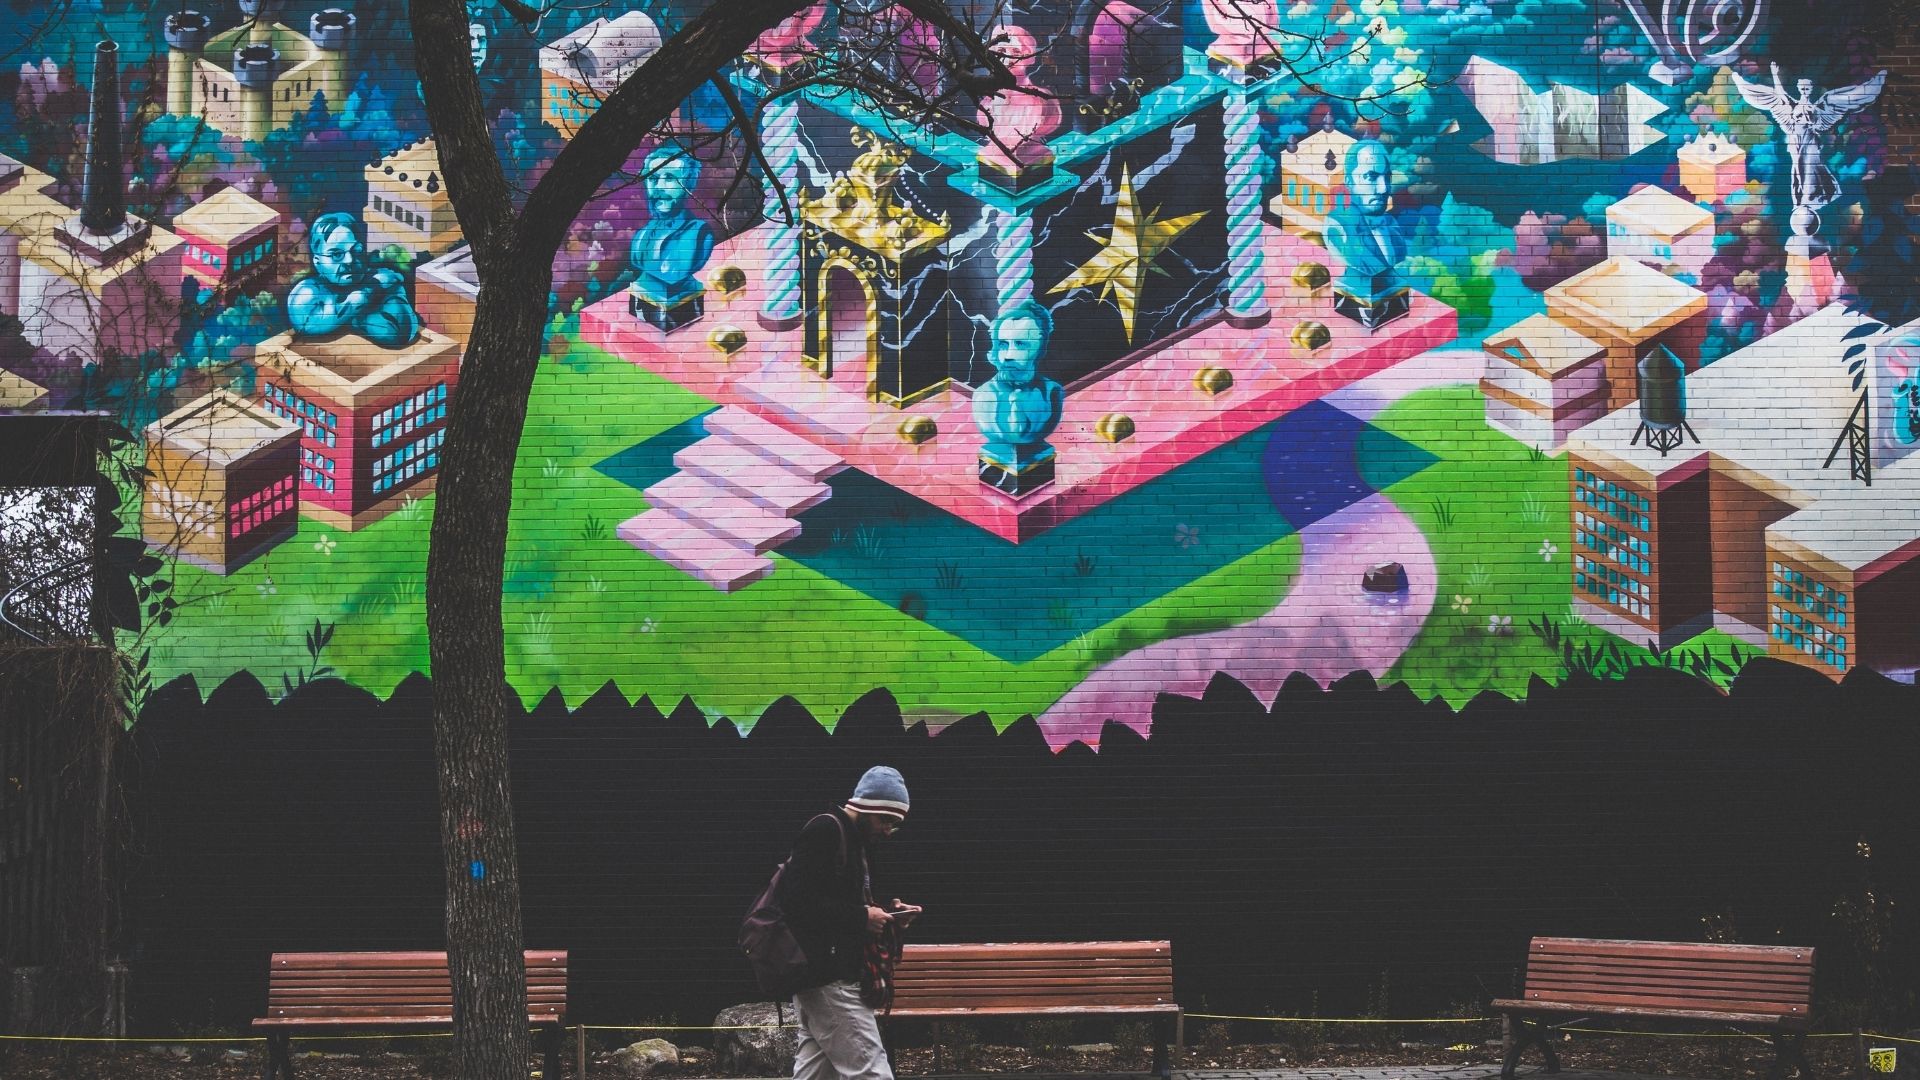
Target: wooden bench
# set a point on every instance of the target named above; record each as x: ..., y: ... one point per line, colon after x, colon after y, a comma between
x: 332, y: 991
x: 1042, y: 978
x: 1745, y: 987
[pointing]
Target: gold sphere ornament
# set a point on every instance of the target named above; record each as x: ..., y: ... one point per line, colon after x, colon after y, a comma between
x: 727, y: 339
x: 1114, y: 427
x: 728, y: 280
x: 918, y: 429
x: 1311, y: 276
x: 1213, y: 381
x: 1310, y: 335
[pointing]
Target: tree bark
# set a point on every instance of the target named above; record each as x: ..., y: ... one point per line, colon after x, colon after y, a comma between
x: 513, y: 255
x: 472, y: 701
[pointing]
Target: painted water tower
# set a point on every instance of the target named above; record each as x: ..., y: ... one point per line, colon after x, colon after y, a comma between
x: 1663, y: 401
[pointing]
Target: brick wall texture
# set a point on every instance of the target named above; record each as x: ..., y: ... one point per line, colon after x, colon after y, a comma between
x: 1462, y: 344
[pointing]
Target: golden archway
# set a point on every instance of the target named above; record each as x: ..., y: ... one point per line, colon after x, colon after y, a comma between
x: 823, y: 353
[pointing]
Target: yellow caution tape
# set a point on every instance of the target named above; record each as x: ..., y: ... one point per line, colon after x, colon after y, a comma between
x: 681, y: 1027
x: 1341, y: 1019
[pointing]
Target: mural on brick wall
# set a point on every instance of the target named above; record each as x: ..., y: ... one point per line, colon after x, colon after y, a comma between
x: 1523, y: 336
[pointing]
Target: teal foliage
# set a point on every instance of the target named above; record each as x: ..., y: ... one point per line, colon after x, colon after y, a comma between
x: 1457, y: 250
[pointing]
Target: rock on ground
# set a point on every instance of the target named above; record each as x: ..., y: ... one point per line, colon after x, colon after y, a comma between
x: 756, y: 1039
x: 643, y: 1059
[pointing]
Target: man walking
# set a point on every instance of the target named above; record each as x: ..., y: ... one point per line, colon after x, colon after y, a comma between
x: 829, y: 907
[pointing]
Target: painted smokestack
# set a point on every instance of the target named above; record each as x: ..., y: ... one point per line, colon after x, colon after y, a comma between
x: 103, y: 198
x: 187, y: 33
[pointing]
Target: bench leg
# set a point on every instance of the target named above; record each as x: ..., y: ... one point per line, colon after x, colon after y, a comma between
x: 1162, y: 1066
x: 279, y: 1061
x: 1790, y: 1051
x: 1520, y: 1033
x: 550, y: 1046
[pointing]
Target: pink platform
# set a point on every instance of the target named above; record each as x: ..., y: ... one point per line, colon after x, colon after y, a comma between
x: 1173, y: 421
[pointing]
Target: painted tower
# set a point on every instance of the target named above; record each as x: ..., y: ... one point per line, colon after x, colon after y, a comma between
x: 99, y: 282
x: 252, y: 78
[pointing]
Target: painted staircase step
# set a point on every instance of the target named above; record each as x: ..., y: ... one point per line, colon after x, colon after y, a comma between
x: 752, y: 477
x: 686, y: 547
x: 718, y: 510
x: 771, y: 440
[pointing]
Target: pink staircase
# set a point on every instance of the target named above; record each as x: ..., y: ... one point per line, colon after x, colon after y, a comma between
x: 733, y: 500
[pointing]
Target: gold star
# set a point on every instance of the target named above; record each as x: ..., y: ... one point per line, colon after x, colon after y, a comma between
x: 1119, y: 270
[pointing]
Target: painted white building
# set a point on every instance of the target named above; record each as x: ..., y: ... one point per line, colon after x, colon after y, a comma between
x: 1660, y: 229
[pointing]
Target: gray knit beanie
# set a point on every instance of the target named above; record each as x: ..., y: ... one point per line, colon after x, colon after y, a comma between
x: 881, y: 790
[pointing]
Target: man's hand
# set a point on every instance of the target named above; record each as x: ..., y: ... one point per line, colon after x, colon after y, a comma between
x: 904, y: 913
x: 877, y: 919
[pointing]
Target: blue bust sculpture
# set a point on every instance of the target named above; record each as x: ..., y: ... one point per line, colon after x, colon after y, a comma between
x: 1367, y: 241
x: 346, y: 292
x: 1018, y: 408
x: 673, y: 246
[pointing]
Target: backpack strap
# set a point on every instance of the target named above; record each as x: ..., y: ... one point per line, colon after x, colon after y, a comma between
x: 840, y: 827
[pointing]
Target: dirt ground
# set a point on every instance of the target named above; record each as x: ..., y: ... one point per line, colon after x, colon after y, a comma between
x: 1696, y: 1059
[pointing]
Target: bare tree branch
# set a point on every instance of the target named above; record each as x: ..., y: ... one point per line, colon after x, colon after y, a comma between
x: 610, y: 135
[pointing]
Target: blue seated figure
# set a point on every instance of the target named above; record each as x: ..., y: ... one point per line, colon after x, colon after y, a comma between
x: 346, y: 292
x: 671, y: 248
x: 1018, y: 408
x: 1367, y: 241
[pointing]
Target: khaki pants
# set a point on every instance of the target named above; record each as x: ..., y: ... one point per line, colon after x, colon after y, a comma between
x: 839, y: 1036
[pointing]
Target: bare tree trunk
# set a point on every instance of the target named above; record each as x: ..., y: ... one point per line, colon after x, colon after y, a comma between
x: 472, y: 700
x: 513, y: 255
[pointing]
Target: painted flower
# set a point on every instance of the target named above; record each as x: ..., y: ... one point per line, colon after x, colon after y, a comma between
x: 325, y: 545
x: 1461, y: 603
x: 1186, y: 535
x: 267, y: 587
x: 1499, y: 624
x: 648, y: 625
x: 1548, y: 549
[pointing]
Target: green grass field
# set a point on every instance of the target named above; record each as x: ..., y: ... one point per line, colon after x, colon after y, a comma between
x: 1496, y: 514
x: 581, y: 607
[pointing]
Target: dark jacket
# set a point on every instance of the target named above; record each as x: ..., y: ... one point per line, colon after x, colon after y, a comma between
x: 825, y: 901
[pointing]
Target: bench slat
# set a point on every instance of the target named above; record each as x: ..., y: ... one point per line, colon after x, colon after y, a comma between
x: 1078, y: 991
x: 1678, y: 976
x: 1012, y: 949
x: 1030, y: 985
x: 1656, y: 1001
x: 442, y: 1001
x: 1032, y: 1010
x: 375, y: 960
x: 425, y: 1021
x: 388, y: 1009
x: 1660, y: 976
x: 1035, y: 989
x: 1707, y: 962
x: 1579, y: 1009
x: 1683, y: 950
x: 424, y: 982
x: 1715, y: 991
x: 1668, y: 974
x: 1033, y: 973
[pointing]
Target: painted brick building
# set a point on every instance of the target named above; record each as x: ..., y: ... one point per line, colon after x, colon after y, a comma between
x: 1749, y: 530
x: 232, y: 243
x: 372, y: 420
x: 222, y: 490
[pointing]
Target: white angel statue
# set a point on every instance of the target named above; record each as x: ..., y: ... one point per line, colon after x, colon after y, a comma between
x: 1803, y: 120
